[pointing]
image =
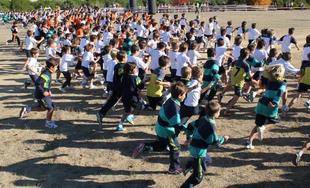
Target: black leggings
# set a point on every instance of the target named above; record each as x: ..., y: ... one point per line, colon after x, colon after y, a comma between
x: 154, y: 101
x: 67, y: 75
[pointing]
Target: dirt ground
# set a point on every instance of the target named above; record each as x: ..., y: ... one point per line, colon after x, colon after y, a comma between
x: 77, y: 154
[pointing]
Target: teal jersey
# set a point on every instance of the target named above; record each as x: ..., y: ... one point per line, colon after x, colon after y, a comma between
x: 168, y: 119
x: 211, y: 73
x: 203, y: 134
x: 273, y: 93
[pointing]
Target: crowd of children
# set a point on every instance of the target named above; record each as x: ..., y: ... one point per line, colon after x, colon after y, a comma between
x: 134, y: 52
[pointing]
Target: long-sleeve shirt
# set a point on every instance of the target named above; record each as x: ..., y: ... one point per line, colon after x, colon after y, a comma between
x: 203, y: 134
x: 211, y: 73
x: 289, y: 68
x: 168, y: 118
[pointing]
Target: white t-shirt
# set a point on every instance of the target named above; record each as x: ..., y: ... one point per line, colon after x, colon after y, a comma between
x: 99, y: 45
x: 30, y: 43
x: 140, y: 30
x: 83, y: 43
x: 152, y: 44
x: 209, y: 29
x: 305, y: 53
x: 138, y: 61
x: 173, y: 59
x: 110, y: 70
x: 50, y: 52
x: 107, y: 37
x: 236, y: 51
x: 219, y: 54
x: 193, y: 56
x: 229, y: 30
x: 106, y: 58
x: 155, y: 55
x: 289, y: 68
x: 32, y: 66
x: 253, y: 34
x: 260, y: 55
x: 192, y: 97
x: 88, y: 57
x: 66, y: 42
x: 65, y: 60
x: 286, y: 42
x: 182, y: 61
x: 166, y: 36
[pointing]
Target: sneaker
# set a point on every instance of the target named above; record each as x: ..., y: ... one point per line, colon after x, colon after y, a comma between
x: 91, y: 86
x: 285, y: 108
x: 138, y: 150
x: 175, y: 171
x: 130, y: 119
x: 296, y: 159
x: 50, y: 124
x: 99, y: 119
x: 252, y: 96
x: 62, y: 89
x: 23, y: 112
x: 307, y: 104
x: 71, y: 87
x: 120, y: 128
x: 260, y: 131
x: 249, y: 146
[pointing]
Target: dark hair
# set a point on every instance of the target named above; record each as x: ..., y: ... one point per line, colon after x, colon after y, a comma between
x: 220, y: 42
x: 211, y: 52
x: 238, y: 40
x: 244, y: 52
x: 192, y: 46
x: 177, y: 89
x: 134, y: 49
x: 52, y: 62
x: 212, y: 107
x: 186, y: 72
x: 308, y: 39
x: 183, y: 47
x: 273, y: 52
x: 34, y: 51
x: 287, y: 56
x: 121, y: 55
x: 129, y: 68
x: 161, y: 45
x: 196, y: 72
x: 260, y: 43
x: 163, y: 61
x: 291, y: 30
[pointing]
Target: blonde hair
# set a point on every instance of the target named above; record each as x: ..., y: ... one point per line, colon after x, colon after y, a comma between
x: 275, y: 72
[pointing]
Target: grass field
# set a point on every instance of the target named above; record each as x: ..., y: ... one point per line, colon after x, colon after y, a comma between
x: 77, y: 154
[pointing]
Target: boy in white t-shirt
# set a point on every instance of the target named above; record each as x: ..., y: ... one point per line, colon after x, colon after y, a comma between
x: 88, y: 65
x: 134, y: 58
x: 30, y: 42
x: 67, y: 59
x: 173, y: 54
x: 156, y: 54
x: 193, y: 54
x: 182, y: 60
x: 253, y: 33
x: 287, y: 40
x: 32, y: 66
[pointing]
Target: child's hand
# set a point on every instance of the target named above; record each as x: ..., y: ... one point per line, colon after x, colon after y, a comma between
x: 46, y: 94
x: 271, y: 105
x: 226, y: 138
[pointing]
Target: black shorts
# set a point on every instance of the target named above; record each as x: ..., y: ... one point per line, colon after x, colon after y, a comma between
x: 46, y: 103
x: 229, y: 37
x: 264, y: 81
x: 261, y: 120
x: 78, y: 66
x: 189, y: 111
x: 303, y: 87
x: 199, y: 40
x: 28, y: 54
x: 257, y: 75
x: 238, y: 91
x: 87, y: 72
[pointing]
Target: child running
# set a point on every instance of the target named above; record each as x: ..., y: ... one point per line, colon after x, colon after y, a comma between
x: 43, y: 94
x: 168, y: 120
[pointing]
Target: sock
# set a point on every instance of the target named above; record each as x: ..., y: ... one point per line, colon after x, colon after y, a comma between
x: 300, y: 153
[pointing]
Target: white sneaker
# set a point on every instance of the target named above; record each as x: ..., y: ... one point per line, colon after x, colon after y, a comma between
x: 23, y: 112
x: 260, y: 131
x: 285, y: 108
x: 91, y: 86
x: 62, y: 89
x: 50, y: 124
x: 249, y: 146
